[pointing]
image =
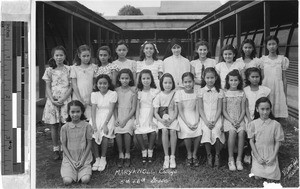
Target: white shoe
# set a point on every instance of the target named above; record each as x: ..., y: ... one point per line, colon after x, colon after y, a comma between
x: 102, y: 164
x: 231, y: 166
x: 239, y: 165
x: 172, y: 162
x: 96, y: 164
x: 247, y: 159
x: 166, y: 164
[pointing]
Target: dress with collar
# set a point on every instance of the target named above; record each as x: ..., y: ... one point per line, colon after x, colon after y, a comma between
x: 210, y: 99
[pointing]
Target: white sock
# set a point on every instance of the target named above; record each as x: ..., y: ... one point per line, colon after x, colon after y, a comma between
x: 121, y: 155
x: 144, y: 153
x: 55, y: 148
x: 150, y: 153
x: 104, y: 158
x: 127, y: 155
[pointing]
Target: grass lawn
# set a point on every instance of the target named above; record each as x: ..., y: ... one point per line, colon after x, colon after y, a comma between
x: 152, y: 176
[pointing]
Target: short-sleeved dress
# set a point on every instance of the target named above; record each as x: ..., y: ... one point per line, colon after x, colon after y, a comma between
x: 76, y: 137
x: 223, y: 70
x: 146, y: 99
x: 124, y: 106
x: 108, y: 69
x: 60, y: 82
x: 84, y: 78
x: 210, y: 99
x: 129, y: 64
x: 273, y: 80
x: 189, y: 103
x: 155, y: 68
x: 252, y: 96
x: 254, y: 63
x: 166, y: 100
x: 265, y: 133
x: 103, y: 102
x: 234, y: 100
x: 176, y: 66
x: 198, y: 65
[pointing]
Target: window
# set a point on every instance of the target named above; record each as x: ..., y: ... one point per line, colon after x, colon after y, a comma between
x: 294, y: 39
x: 293, y: 53
x: 283, y: 36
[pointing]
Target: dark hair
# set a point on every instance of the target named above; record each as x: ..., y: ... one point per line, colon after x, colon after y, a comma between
x: 51, y: 61
x: 251, y: 42
x: 142, y: 54
x: 228, y: 47
x: 105, y: 76
x: 77, y: 60
x: 218, y: 80
x: 122, y: 42
x: 236, y: 73
x: 272, y: 37
x: 103, y: 48
x: 140, y: 84
x: 248, y: 73
x: 261, y: 100
x: 126, y: 71
x: 75, y: 103
x: 197, y: 45
x: 188, y: 74
x: 173, y: 42
x: 161, y: 80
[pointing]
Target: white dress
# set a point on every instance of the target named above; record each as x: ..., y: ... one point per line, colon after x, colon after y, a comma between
x: 84, y: 78
x: 103, y: 102
x: 197, y: 64
x: 210, y: 102
x: 254, y: 63
x: 129, y: 64
x: 223, y: 70
x: 273, y: 80
x: 252, y: 96
x: 163, y: 100
x: 155, y: 68
x: 189, y: 102
x: 176, y: 67
x: 146, y: 100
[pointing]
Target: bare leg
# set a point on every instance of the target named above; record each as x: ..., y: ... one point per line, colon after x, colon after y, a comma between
x: 173, y: 137
x: 165, y: 141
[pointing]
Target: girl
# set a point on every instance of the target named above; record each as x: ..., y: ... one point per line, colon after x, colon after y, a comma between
x: 165, y: 111
x: 227, y: 64
x: 124, y: 112
x: 265, y: 136
x: 58, y: 90
x: 103, y: 103
x: 253, y: 91
x: 76, y: 139
x: 122, y: 62
x: 210, y: 107
x: 145, y: 122
x: 149, y: 60
x: 174, y: 63
x: 273, y: 69
x: 82, y: 78
x: 234, y: 113
x: 202, y: 60
x: 188, y: 118
x: 104, y: 65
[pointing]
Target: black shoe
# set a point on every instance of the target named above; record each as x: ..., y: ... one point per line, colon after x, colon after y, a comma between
x: 127, y: 162
x: 144, y: 160
x: 189, y: 162
x: 120, y: 162
x: 56, y: 155
x: 195, y: 162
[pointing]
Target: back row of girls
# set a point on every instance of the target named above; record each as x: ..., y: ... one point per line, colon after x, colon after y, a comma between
x: 59, y: 79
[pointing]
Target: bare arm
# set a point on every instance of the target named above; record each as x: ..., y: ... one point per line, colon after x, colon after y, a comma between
x: 64, y: 147
x: 255, y: 153
x: 48, y: 91
x: 94, y: 108
x: 242, y: 115
x: 225, y: 113
x: 201, y: 111
x: 86, y: 152
x: 181, y: 114
x: 219, y: 110
x: 284, y: 82
x: 247, y: 111
x: 132, y: 111
x: 76, y: 90
x: 137, y: 112
x: 114, y: 77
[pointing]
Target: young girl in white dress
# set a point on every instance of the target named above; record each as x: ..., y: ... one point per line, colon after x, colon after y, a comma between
x: 274, y: 68
x: 103, y: 121
x: 122, y: 62
x: 202, y: 60
x: 188, y: 118
x: 76, y: 140
x: 228, y: 63
x: 145, y: 121
x: 234, y: 102
x: 149, y: 60
x: 265, y: 136
x: 174, y: 61
x: 210, y: 107
x: 167, y: 118
x: 124, y: 113
x: 58, y: 90
x: 82, y: 78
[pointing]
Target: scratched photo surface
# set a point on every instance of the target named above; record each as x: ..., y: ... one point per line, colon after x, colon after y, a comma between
x: 96, y: 23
